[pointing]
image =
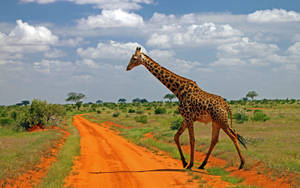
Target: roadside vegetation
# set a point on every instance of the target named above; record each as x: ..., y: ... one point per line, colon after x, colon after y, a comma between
x: 21, y: 147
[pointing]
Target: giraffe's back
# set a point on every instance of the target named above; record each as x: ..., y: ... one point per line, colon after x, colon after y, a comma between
x: 202, y: 106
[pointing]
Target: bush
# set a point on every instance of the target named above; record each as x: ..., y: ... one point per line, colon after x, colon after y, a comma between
x: 40, y: 113
x: 139, y: 111
x: 240, y: 117
x: 160, y: 110
x: 116, y: 114
x: 5, y: 121
x: 176, y: 111
x: 176, y: 123
x: 131, y: 111
x: 259, y: 115
x: 141, y: 119
x: 98, y: 111
x: 13, y: 115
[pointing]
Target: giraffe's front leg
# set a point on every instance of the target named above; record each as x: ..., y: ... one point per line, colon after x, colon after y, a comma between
x: 192, y: 145
x: 176, y: 138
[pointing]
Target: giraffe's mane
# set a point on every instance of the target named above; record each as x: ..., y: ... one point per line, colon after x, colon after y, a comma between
x: 181, y: 77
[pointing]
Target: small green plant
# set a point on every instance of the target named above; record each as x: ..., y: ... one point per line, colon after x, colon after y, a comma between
x: 259, y: 115
x: 139, y: 111
x: 176, y: 111
x: 131, y: 111
x: 176, y: 123
x: 141, y: 119
x: 5, y: 121
x: 160, y: 110
x: 240, y: 117
x: 116, y: 114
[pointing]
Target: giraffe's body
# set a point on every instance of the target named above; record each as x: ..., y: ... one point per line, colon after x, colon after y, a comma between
x: 194, y: 105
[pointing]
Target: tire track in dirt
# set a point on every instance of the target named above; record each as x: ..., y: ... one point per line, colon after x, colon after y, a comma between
x: 109, y: 160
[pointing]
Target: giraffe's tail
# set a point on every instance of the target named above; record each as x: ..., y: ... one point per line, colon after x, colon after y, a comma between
x: 241, y: 139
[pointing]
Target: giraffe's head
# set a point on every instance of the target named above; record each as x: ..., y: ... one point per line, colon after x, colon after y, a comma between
x: 136, y: 59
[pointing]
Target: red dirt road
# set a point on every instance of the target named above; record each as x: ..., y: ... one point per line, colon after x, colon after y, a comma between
x: 108, y: 160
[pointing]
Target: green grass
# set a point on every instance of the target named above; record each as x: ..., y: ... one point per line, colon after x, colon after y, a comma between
x: 216, y: 171
x: 21, y: 151
x: 62, y: 167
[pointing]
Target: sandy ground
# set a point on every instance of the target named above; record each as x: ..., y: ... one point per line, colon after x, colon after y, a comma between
x: 108, y: 160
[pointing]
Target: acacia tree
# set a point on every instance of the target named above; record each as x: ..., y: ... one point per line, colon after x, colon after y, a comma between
x: 169, y: 96
x: 75, y: 97
x: 251, y: 94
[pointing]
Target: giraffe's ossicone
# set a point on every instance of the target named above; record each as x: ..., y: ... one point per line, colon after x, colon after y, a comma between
x: 194, y: 105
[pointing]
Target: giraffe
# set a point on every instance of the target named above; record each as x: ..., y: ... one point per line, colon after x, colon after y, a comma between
x: 195, y: 104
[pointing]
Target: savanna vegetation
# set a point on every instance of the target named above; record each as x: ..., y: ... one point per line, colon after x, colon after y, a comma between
x: 21, y: 148
x: 271, y: 128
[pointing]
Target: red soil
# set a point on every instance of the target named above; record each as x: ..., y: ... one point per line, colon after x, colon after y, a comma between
x: 33, y: 177
x: 108, y: 160
x: 251, y: 177
x: 149, y: 135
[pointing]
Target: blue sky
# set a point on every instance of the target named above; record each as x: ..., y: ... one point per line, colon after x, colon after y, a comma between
x: 51, y: 47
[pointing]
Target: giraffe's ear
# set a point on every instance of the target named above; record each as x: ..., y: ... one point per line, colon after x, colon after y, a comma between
x: 138, y: 48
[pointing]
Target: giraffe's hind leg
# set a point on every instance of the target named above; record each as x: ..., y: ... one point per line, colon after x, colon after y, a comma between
x: 234, y: 139
x: 214, y: 140
x: 176, y: 138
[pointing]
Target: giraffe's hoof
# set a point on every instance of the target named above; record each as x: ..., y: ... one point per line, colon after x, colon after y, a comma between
x: 184, y: 164
x: 201, y: 167
x: 190, y: 166
x: 241, y: 166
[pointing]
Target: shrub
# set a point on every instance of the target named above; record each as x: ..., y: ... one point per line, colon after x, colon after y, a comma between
x: 98, y: 111
x: 240, y: 117
x: 131, y: 111
x: 141, y: 119
x: 160, y: 110
x: 139, y: 111
x: 5, y: 121
x: 13, y: 115
x: 259, y: 115
x: 176, y: 111
x: 116, y: 114
x: 40, y: 113
x: 176, y: 123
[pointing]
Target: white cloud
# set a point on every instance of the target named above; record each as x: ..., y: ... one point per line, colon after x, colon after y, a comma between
x: 88, y: 62
x: 51, y: 66
x: 27, y: 38
x: 102, y: 4
x: 167, y: 58
x: 111, y: 18
x: 228, y: 62
x: 72, y: 42
x: 54, y: 53
x: 108, y: 4
x: 24, y: 33
x: 247, y: 49
x: 274, y: 15
x: 111, y: 50
x: 193, y: 35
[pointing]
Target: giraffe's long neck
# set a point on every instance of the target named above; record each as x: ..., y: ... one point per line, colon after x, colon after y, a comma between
x: 175, y: 83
